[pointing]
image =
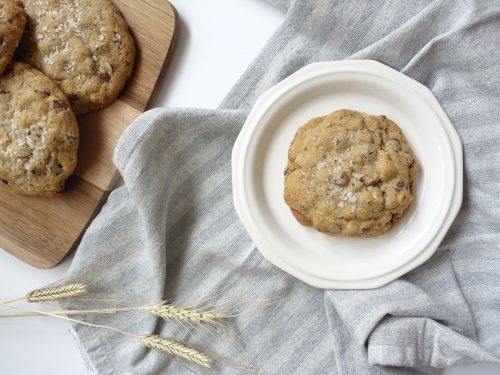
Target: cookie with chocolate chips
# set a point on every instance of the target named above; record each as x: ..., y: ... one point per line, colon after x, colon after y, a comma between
x: 38, y: 132
x: 12, y: 23
x: 350, y: 174
x: 83, y: 45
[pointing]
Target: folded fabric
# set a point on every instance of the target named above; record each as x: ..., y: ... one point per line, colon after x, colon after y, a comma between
x: 171, y: 231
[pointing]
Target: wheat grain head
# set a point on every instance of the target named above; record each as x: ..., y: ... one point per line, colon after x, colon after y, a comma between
x: 177, y: 349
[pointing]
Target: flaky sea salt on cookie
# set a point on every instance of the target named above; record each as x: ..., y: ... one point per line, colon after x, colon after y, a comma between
x: 12, y: 23
x: 38, y: 132
x: 83, y: 45
x: 350, y: 174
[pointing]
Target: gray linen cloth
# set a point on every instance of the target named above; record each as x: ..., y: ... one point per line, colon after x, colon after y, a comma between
x: 171, y: 230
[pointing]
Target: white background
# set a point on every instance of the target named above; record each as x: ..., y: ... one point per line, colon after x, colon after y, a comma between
x: 217, y: 41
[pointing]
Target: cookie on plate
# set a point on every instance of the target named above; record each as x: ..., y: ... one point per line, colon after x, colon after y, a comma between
x: 12, y: 23
x: 83, y: 45
x: 38, y: 132
x: 350, y: 174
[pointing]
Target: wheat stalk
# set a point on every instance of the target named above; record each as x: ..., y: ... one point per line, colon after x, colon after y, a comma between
x: 177, y: 349
x: 162, y: 310
x: 56, y: 292
x: 64, y: 313
x: 150, y: 341
x: 173, y: 312
x: 66, y: 318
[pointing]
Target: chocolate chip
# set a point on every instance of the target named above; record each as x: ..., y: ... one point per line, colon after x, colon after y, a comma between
x: 104, y: 77
x: 365, y: 230
x: 5, y: 182
x: 372, y: 182
x: 411, y: 162
x: 70, y: 137
x: 343, y: 181
x: 60, y: 104
x: 101, y: 47
x: 56, y: 167
x: 400, y: 186
x: 73, y: 97
x: 4, y: 92
x: 43, y: 92
x: 36, y: 171
x: 395, y: 218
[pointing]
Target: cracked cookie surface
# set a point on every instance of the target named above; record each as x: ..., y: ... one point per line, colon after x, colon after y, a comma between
x: 350, y: 174
x: 83, y: 45
x: 12, y: 23
x: 38, y: 132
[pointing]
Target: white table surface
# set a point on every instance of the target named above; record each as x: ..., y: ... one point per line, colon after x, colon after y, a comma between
x: 207, y: 62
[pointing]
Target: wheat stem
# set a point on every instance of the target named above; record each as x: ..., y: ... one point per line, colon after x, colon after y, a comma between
x: 63, y: 312
x: 69, y: 319
x: 177, y: 349
x: 162, y: 310
x: 14, y: 300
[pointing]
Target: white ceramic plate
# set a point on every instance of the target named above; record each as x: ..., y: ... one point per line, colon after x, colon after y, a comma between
x: 260, y: 157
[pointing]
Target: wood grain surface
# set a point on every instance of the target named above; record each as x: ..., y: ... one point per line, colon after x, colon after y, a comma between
x: 42, y: 231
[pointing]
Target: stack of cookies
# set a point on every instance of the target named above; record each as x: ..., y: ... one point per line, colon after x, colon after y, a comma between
x: 74, y: 57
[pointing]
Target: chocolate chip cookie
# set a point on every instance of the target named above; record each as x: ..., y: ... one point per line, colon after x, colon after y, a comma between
x: 83, y: 45
x: 12, y: 23
x: 38, y: 132
x: 350, y: 174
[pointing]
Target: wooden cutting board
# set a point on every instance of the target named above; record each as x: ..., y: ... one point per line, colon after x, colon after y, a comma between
x: 42, y: 231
